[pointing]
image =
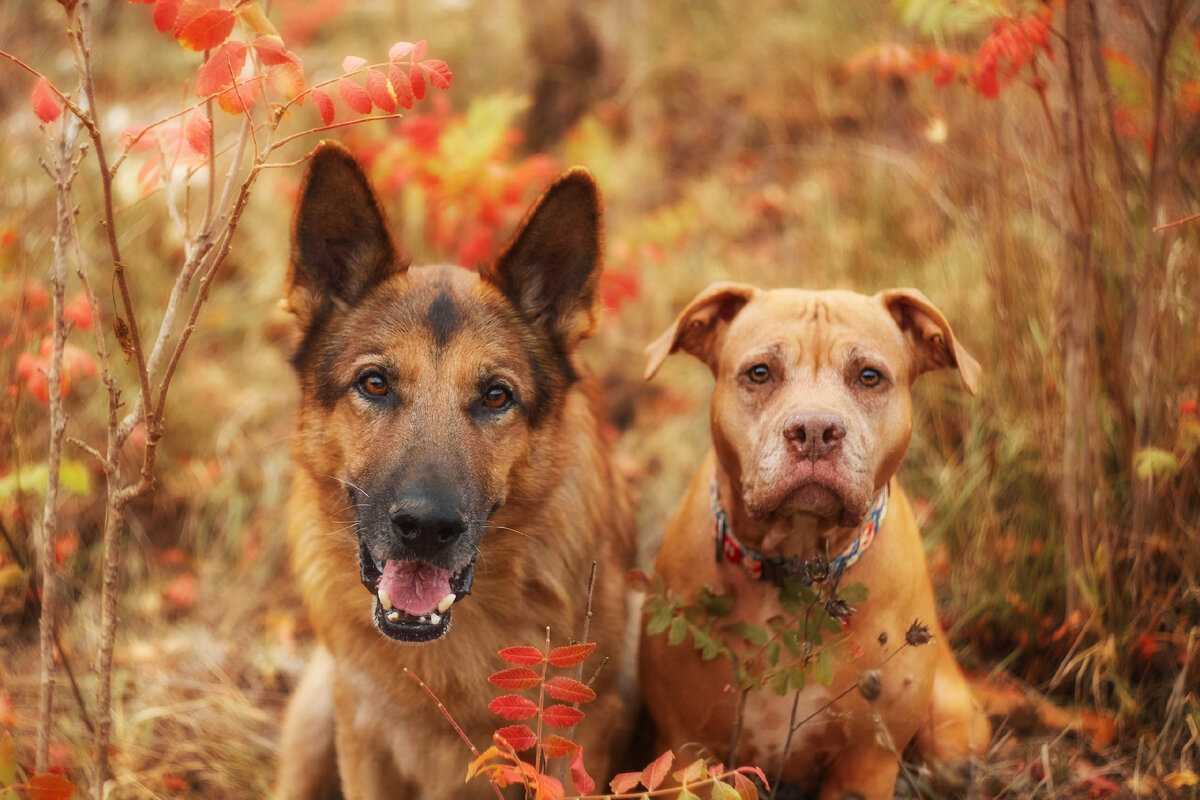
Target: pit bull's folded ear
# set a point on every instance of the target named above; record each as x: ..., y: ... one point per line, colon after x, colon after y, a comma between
x: 341, y: 246
x: 933, y: 343
x: 699, y: 327
x: 551, y: 267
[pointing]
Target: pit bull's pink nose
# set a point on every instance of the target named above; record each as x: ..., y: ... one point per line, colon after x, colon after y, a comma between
x: 814, y: 434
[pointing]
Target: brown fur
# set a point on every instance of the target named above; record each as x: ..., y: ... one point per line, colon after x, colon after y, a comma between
x: 531, y: 484
x: 787, y: 496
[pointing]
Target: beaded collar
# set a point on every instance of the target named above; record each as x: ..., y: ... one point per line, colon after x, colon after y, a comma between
x: 777, y: 568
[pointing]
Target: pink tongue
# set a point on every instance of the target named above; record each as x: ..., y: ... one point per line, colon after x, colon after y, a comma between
x: 414, y: 587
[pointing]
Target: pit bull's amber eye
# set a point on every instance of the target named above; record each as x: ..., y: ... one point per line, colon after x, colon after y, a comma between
x: 374, y: 384
x: 870, y: 377
x: 759, y: 373
x: 497, y: 396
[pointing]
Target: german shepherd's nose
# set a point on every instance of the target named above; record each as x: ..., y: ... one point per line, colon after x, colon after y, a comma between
x: 427, y: 520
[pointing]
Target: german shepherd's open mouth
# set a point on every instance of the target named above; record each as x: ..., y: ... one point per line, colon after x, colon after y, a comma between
x: 413, y: 597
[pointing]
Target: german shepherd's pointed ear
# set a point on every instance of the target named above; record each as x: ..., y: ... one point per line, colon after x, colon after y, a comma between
x: 932, y: 342
x: 341, y: 246
x: 699, y: 327
x: 551, y: 267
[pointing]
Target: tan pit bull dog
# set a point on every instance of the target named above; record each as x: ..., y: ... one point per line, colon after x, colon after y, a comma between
x: 811, y: 417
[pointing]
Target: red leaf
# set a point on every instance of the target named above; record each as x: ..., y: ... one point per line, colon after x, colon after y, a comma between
x: 355, y: 96
x: 518, y: 737
x: 560, y: 716
x: 522, y: 656
x: 569, y: 690
x: 417, y: 79
x: 50, y: 786
x: 165, y: 12
x: 271, y: 51
x: 515, y: 678
x: 207, y: 30
x: 555, y: 746
x: 381, y: 91
x: 572, y: 654
x: 197, y: 131
x: 583, y: 782
x: 418, y: 51
x: 45, y: 101
x: 352, y: 64
x: 78, y: 312
x: 236, y: 99
x: 439, y: 73
x: 399, y: 50
x: 623, y: 782
x: 513, y: 707
x: 548, y: 788
x: 401, y: 85
x: 324, y: 105
x: 222, y: 69
x: 653, y: 775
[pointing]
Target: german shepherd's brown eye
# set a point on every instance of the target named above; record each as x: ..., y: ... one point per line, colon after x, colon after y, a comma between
x: 373, y: 384
x: 497, y: 396
x: 759, y: 373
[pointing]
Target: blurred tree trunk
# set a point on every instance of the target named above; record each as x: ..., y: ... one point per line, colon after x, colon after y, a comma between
x: 565, y: 49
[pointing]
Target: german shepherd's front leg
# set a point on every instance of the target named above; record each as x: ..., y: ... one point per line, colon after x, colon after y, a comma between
x: 307, y: 754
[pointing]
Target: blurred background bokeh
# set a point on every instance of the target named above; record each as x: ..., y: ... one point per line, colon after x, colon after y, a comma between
x: 859, y: 144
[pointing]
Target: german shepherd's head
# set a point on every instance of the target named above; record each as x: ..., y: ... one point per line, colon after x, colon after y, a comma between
x: 426, y: 390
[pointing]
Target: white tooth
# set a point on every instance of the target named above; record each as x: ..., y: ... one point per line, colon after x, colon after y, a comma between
x: 393, y: 616
x: 384, y: 600
x: 445, y: 603
x: 434, y: 619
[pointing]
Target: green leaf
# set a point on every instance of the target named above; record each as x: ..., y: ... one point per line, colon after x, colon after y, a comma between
x: 659, y: 622
x: 791, y: 640
x: 830, y: 625
x: 751, y: 633
x: 1154, y: 462
x: 779, y: 682
x: 8, y: 759
x: 686, y: 794
x: 11, y: 575
x: 677, y: 631
x: 823, y: 669
x: 773, y: 653
x: 711, y: 650
x: 723, y: 791
x: 798, y: 679
x: 854, y: 594
x: 715, y: 605
x: 72, y: 476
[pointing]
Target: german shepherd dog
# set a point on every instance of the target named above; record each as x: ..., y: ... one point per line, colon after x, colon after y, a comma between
x: 452, y: 488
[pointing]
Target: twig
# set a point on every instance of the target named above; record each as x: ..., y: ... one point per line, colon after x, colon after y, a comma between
x: 449, y: 718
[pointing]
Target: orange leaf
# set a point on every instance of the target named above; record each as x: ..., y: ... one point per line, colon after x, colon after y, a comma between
x: 744, y: 787
x: 572, y: 654
x: 653, y: 775
x: 271, y: 51
x: 560, y: 716
x: 381, y: 91
x: 287, y: 79
x: 355, y: 96
x: 555, y: 746
x: 207, y: 30
x: 324, y: 105
x: 548, y: 788
x: 522, y: 656
x: 513, y: 707
x: 236, y: 99
x: 254, y: 16
x: 165, y: 13
x: 515, y: 678
x: 569, y: 691
x: 180, y: 594
x: 222, y: 69
x: 518, y: 737
x: 197, y: 131
x: 623, y: 782
x: 583, y: 782
x: 45, y: 101
x: 50, y: 786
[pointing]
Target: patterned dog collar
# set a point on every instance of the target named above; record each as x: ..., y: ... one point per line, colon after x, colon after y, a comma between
x: 776, y: 568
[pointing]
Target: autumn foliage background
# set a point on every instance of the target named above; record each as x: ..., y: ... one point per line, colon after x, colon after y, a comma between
x: 1011, y: 159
